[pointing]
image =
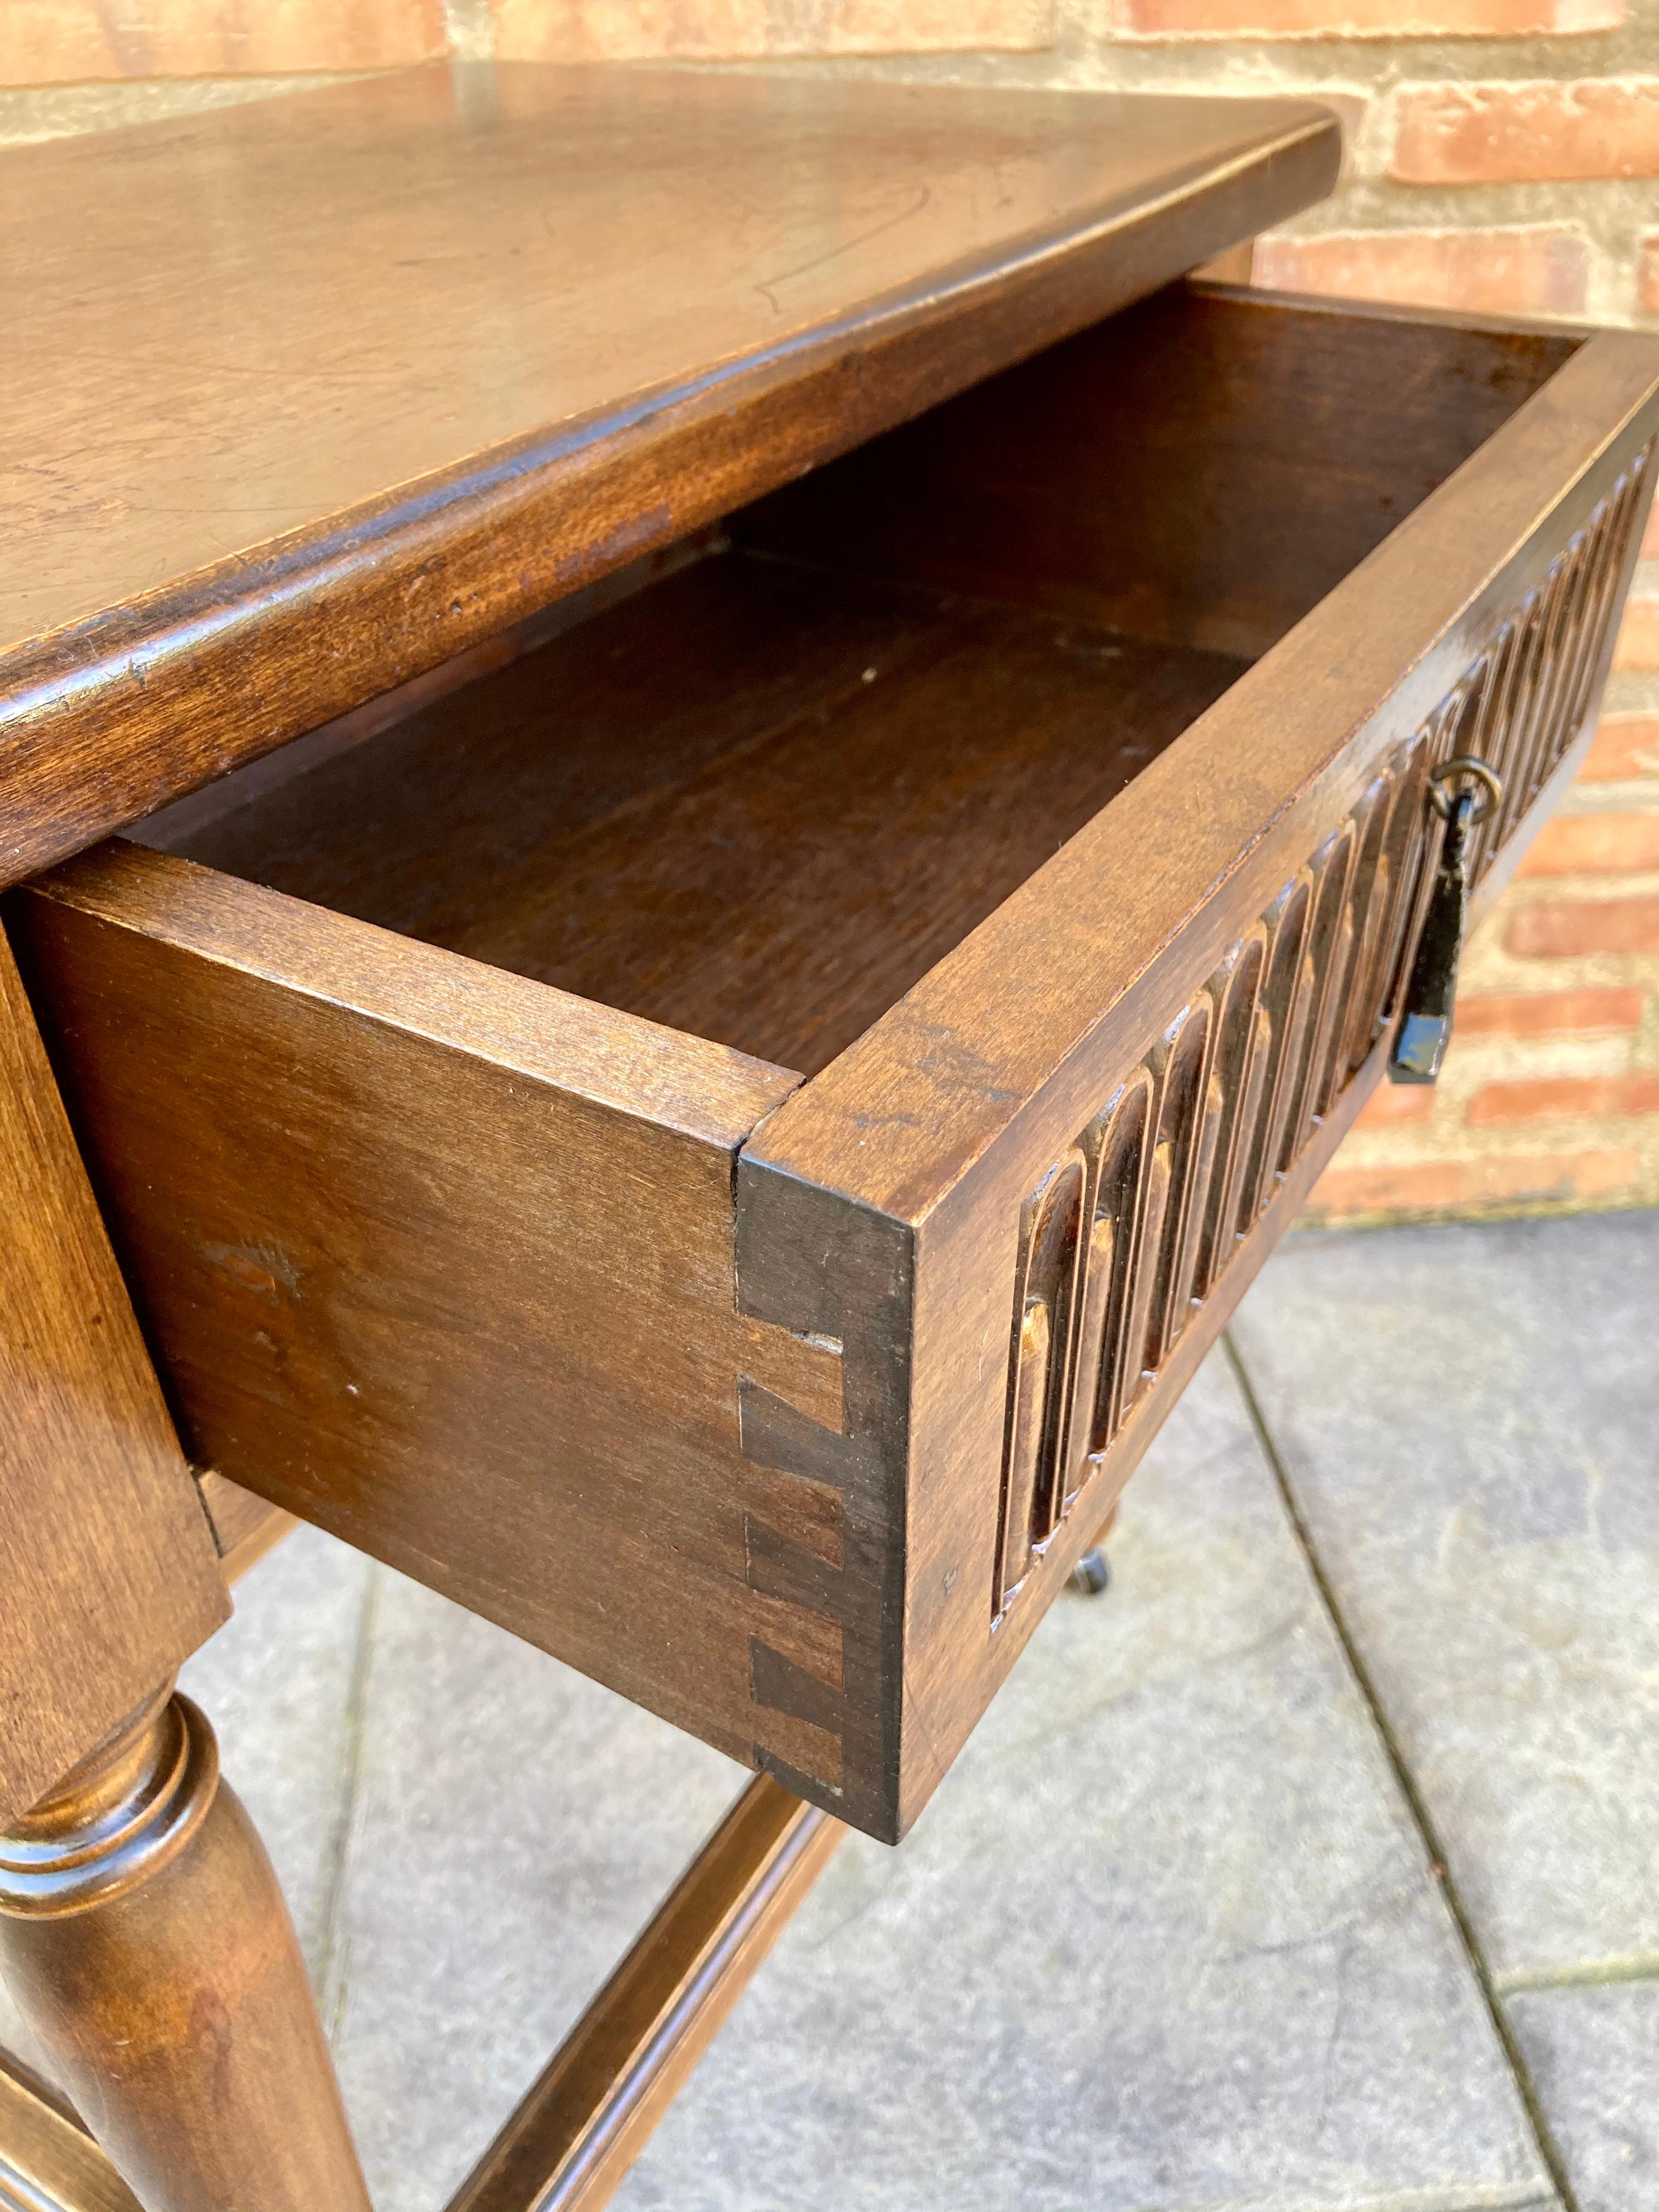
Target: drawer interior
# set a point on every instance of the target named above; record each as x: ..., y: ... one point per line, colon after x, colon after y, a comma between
x: 759, y: 795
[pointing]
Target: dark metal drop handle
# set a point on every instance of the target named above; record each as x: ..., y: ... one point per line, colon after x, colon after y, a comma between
x: 1426, y: 1025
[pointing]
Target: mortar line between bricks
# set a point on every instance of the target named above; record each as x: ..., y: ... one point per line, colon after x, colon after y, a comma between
x: 1416, y: 1805
x: 331, y: 1965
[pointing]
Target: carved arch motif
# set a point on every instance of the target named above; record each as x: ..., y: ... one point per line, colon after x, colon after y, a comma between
x: 1124, y: 1238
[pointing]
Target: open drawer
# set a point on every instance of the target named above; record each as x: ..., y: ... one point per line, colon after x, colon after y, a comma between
x: 717, y: 1141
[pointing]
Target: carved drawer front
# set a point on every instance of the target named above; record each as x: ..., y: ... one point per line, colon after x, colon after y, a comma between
x: 1126, y: 1237
x: 1124, y: 1240
x: 716, y: 1139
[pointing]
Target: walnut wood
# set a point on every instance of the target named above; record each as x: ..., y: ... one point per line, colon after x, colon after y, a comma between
x: 145, y: 1940
x: 1234, y: 266
x: 1202, y: 470
x: 171, y: 827
x: 1044, y: 783
x: 445, y: 1258
x: 244, y: 1527
x: 747, y: 803
x: 48, y: 2163
x: 388, y: 367
x: 1389, y: 641
x: 591, y: 2111
x: 110, y: 1575
x: 883, y: 1203
x: 460, y: 1289
x: 588, y: 2116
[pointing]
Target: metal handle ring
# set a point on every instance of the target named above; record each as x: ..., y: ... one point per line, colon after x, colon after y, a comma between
x: 1466, y: 764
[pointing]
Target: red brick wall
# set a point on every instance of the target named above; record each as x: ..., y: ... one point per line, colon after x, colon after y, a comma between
x: 1514, y: 176
x: 1504, y: 156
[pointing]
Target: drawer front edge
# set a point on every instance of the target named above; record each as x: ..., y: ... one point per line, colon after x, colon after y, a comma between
x: 1065, y: 1288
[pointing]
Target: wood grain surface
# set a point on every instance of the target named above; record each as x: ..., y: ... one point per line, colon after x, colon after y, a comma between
x: 441, y: 1260
x: 48, y: 2163
x: 245, y: 1526
x: 937, y: 1128
x: 750, y: 803
x: 1200, y: 470
x: 445, y: 1256
x: 109, y: 1574
x: 583, y: 2124
x: 144, y: 1939
x: 1207, y: 826
x: 317, y: 392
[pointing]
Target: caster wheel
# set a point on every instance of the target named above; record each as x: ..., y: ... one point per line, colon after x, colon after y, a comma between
x: 1092, y: 1575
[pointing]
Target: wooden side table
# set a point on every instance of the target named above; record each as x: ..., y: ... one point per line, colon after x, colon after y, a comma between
x: 777, y: 806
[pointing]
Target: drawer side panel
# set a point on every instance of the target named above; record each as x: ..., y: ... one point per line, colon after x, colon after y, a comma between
x: 477, y: 1321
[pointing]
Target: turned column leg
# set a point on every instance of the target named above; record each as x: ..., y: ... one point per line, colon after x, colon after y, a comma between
x: 144, y: 1938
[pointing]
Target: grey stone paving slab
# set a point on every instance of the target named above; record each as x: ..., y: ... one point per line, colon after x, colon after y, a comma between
x: 1469, y: 1418
x: 1165, y: 1937
x: 276, y: 1683
x: 1594, y: 2056
x: 515, y: 1824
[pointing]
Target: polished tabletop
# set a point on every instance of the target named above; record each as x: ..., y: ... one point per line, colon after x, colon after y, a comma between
x: 254, y: 354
